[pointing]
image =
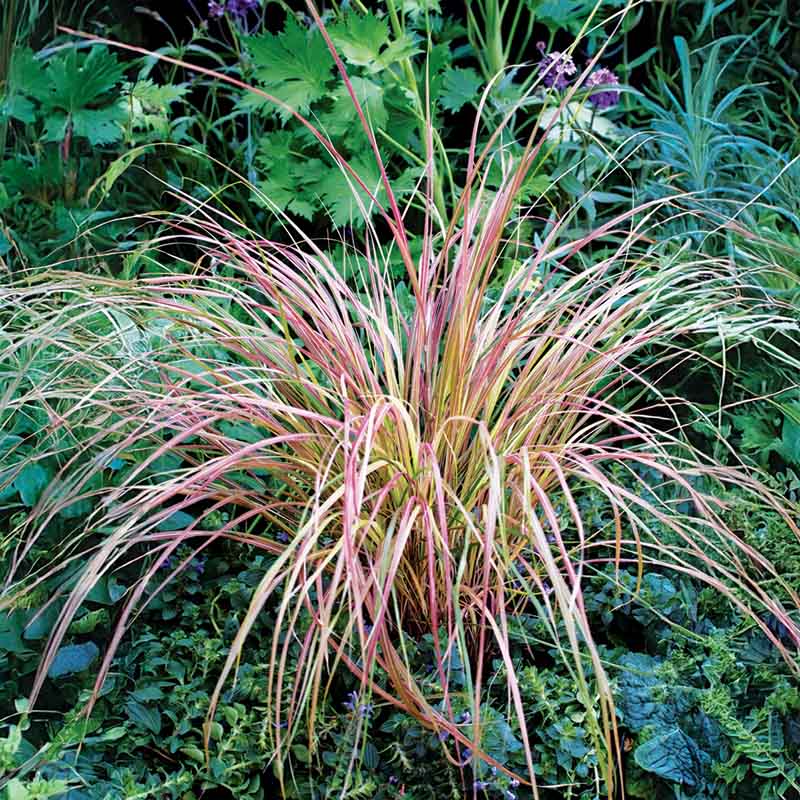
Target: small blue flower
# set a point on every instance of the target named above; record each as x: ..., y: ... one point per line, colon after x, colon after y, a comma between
x: 215, y: 10
x: 466, y: 756
x: 479, y: 786
x: 365, y: 710
x: 282, y: 537
x: 443, y: 735
x: 510, y: 795
x: 350, y: 703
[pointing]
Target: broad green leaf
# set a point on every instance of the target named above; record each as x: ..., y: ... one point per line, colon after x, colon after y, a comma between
x: 177, y: 521
x: 144, y: 716
x: 673, y: 756
x: 41, y: 623
x: 30, y: 482
x: 11, y: 634
x: 73, y: 658
x: 790, y: 433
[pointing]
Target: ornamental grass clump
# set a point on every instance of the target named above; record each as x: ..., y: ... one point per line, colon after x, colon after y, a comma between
x: 414, y: 469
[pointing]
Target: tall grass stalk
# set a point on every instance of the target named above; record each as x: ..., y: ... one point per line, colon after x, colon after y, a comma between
x: 425, y: 464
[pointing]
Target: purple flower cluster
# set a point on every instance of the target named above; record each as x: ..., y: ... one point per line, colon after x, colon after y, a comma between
x: 558, y: 69
x: 609, y: 96
x: 236, y: 8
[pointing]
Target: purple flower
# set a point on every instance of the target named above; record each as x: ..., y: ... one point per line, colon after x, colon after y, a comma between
x: 466, y: 756
x: 608, y: 97
x: 239, y: 8
x: 479, y: 786
x: 443, y: 735
x: 465, y: 718
x: 350, y: 703
x: 216, y: 10
x: 198, y: 565
x: 556, y: 68
x: 282, y: 537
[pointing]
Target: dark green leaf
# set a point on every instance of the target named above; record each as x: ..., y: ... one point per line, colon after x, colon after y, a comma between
x: 673, y: 756
x: 144, y: 716
x: 73, y: 658
x: 30, y: 482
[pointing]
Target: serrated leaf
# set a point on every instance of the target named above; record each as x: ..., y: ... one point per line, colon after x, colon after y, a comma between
x: 73, y: 658
x: 26, y: 72
x: 343, y: 121
x: 459, y: 87
x: 418, y: 7
x: 25, y: 79
x: 294, y: 66
x: 79, y: 93
x: 758, y: 433
x: 360, y: 38
x: 563, y: 14
x: 404, y: 46
x: 99, y: 126
x: 79, y: 79
x: 343, y: 198
x: 155, y: 97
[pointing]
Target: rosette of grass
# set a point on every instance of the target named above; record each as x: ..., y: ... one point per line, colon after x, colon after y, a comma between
x: 413, y: 469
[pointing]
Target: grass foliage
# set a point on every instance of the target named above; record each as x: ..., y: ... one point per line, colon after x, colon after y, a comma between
x: 409, y: 448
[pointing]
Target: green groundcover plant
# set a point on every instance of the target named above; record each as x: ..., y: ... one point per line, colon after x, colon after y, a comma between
x: 410, y: 457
